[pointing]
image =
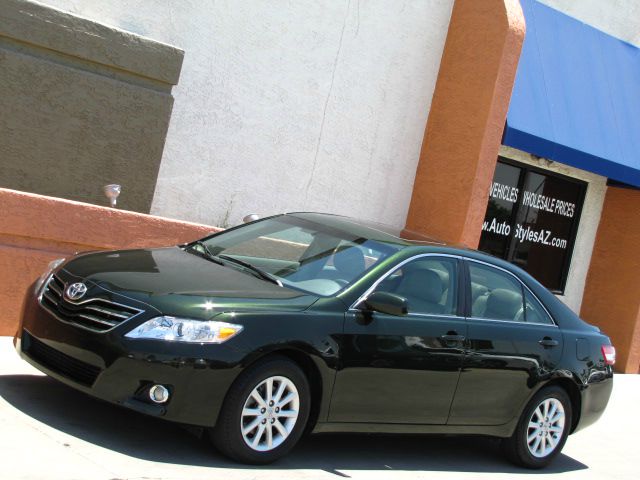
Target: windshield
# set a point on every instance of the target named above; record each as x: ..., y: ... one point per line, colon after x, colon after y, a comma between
x: 301, y: 254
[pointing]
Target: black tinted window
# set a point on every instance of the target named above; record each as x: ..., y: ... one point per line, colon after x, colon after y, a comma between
x: 532, y: 219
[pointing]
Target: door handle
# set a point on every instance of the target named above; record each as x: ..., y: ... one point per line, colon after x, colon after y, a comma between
x: 452, y: 338
x: 548, y: 342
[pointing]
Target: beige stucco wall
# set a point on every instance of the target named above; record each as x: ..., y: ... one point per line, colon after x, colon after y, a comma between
x: 286, y: 106
x: 81, y: 105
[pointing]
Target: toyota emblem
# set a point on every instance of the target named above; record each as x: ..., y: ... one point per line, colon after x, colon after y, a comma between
x: 75, y: 291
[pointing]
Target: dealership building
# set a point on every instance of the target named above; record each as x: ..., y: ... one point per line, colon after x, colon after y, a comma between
x: 512, y: 126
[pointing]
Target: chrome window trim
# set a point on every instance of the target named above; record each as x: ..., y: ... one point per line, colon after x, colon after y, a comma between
x: 367, y: 292
x: 553, y: 320
x: 436, y: 315
x: 511, y: 321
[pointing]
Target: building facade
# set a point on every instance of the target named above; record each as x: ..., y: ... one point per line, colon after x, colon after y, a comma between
x: 507, y: 125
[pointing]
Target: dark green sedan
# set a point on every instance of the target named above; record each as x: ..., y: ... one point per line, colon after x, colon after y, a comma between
x: 312, y: 322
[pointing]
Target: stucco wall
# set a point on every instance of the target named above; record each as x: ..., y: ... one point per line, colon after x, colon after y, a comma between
x: 612, y: 293
x: 619, y: 18
x: 82, y: 105
x: 288, y: 106
x: 466, y: 121
x: 35, y: 229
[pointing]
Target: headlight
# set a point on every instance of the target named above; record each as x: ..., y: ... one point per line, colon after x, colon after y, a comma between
x: 50, y: 268
x: 185, y: 330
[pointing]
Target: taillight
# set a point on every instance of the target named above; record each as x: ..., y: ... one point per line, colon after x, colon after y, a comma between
x: 609, y: 354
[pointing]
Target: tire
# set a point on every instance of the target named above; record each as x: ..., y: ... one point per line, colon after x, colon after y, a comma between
x: 533, y: 445
x: 246, y: 412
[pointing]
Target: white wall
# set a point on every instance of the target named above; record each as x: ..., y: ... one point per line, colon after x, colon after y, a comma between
x: 587, y: 228
x: 618, y: 18
x: 286, y: 106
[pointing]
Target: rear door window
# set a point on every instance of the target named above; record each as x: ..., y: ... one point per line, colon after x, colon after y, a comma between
x: 495, y: 294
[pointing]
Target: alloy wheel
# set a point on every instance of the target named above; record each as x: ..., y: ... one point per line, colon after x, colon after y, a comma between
x: 545, y: 427
x: 270, y: 413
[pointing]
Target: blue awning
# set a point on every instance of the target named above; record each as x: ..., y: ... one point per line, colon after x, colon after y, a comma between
x: 576, y: 99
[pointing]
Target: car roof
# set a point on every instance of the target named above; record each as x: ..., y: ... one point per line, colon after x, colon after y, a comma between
x: 372, y: 230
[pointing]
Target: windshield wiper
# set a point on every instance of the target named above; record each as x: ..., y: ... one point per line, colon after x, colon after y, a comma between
x: 253, y: 268
x: 206, y: 253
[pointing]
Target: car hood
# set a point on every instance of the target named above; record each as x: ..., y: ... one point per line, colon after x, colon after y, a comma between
x: 179, y: 283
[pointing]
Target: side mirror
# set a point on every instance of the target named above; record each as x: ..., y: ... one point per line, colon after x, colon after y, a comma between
x: 386, y: 302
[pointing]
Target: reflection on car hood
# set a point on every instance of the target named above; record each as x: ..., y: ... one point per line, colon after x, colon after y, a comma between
x: 180, y: 283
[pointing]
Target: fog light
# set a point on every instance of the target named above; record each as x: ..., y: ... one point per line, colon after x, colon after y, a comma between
x: 159, y: 394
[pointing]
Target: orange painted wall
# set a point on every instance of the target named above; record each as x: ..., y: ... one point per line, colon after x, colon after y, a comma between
x: 35, y: 229
x: 466, y: 120
x: 612, y: 292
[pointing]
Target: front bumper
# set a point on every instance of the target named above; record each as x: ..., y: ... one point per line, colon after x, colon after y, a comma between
x: 111, y: 367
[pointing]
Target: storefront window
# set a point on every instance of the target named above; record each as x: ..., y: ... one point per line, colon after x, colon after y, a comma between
x: 532, y: 219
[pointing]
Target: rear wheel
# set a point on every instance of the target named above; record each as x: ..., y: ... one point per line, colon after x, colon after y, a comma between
x: 542, y: 429
x: 265, y: 412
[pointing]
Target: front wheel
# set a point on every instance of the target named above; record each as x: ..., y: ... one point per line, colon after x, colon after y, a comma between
x: 264, y: 413
x: 542, y: 429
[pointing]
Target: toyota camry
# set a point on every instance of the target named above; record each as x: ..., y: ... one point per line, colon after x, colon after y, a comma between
x: 310, y: 322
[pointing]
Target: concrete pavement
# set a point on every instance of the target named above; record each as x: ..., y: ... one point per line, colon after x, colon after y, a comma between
x: 51, y: 432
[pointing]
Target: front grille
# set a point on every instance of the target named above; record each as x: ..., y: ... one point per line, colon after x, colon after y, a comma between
x: 97, y: 314
x: 59, y: 362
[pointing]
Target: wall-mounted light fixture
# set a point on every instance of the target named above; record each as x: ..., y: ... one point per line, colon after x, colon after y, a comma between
x: 112, y: 191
